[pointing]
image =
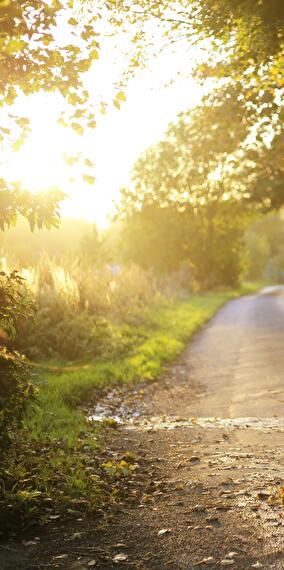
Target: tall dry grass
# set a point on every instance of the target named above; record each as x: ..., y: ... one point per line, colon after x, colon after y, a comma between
x: 82, y: 311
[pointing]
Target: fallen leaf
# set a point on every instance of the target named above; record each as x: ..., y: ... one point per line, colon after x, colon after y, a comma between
x: 76, y: 535
x: 164, y: 531
x: 120, y: 557
x: 209, y: 560
x: 198, y: 509
x: 212, y: 519
x: 262, y: 495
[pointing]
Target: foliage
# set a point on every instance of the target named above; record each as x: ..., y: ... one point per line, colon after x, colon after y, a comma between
x: 264, y: 241
x: 14, y: 302
x: 92, y: 248
x: 241, y: 56
x: 47, y: 47
x: 184, y: 207
x: 15, y: 386
x: 16, y: 391
x: 41, y: 210
x: 34, y: 57
x: 153, y: 237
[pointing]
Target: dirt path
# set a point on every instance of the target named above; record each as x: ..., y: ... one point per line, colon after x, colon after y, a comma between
x: 209, y: 438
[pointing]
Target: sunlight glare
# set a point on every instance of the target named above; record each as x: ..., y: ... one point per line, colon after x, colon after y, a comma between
x: 114, y: 146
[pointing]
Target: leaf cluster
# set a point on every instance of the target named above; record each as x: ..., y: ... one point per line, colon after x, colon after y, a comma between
x: 41, y: 210
x: 15, y: 303
x: 16, y: 390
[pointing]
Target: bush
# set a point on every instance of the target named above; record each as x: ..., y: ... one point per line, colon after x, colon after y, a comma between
x: 15, y: 390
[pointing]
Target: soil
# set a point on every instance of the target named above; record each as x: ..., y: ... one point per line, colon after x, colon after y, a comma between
x: 207, y: 491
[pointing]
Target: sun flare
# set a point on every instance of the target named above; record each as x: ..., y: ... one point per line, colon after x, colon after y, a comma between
x: 120, y: 137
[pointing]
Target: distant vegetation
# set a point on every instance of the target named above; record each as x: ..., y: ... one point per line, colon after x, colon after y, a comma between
x: 264, y: 239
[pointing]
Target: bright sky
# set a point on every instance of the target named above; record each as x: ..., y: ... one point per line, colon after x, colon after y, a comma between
x: 116, y: 142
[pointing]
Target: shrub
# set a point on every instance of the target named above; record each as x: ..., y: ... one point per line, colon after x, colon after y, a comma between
x: 15, y: 390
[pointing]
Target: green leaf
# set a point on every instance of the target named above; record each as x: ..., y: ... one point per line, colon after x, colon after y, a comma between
x: 92, y: 124
x: 94, y: 54
x: 84, y: 65
x: 89, y: 163
x: 71, y: 159
x: 89, y: 179
x: 22, y: 121
x: 121, y: 96
x: 77, y: 128
x: 17, y: 145
x: 15, y: 45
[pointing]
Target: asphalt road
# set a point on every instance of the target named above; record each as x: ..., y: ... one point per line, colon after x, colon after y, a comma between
x: 212, y: 435
x: 236, y: 364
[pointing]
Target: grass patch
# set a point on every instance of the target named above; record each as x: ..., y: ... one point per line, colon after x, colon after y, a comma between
x: 57, y: 466
x: 160, y: 341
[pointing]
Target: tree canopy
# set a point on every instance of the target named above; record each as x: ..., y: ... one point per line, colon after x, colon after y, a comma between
x: 186, y: 204
x: 243, y: 43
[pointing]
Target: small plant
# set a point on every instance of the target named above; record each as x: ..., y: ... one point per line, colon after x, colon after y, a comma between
x: 118, y: 469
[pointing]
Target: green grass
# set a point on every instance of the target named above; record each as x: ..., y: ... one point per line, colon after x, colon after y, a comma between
x: 162, y: 340
x: 57, y: 462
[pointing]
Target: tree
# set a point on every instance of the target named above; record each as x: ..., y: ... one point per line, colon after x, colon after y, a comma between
x: 243, y: 45
x: 244, y: 38
x: 92, y: 247
x: 154, y: 237
x: 184, y: 205
x: 264, y: 241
